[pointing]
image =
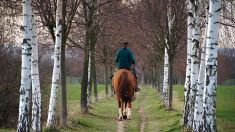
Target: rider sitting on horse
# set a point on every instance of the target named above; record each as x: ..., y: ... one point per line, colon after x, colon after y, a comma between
x: 125, y: 59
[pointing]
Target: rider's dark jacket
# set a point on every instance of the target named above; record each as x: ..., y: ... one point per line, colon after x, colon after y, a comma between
x: 124, y: 58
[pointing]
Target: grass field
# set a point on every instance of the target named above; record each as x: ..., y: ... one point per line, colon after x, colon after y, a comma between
x: 73, y: 92
x: 225, y: 103
x: 102, y: 115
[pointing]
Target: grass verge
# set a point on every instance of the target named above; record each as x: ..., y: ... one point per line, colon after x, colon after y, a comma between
x: 225, y: 103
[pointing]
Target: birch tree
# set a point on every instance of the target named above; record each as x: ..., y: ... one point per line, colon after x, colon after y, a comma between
x: 165, y: 80
x: 194, y: 63
x: 188, y: 68
x: 210, y: 82
x: 200, y: 85
x: 23, y: 119
x: 36, y: 94
x: 47, y: 11
x: 51, y: 120
x: 89, y: 80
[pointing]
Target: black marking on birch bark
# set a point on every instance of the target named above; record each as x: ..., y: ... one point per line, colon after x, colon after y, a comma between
x: 27, y: 100
x: 22, y: 91
x: 25, y: 41
x: 22, y: 28
x: 207, y: 80
x: 190, y: 14
x: 27, y: 54
x: 60, y: 22
x: 209, y: 14
x: 216, y: 43
x: 218, y: 10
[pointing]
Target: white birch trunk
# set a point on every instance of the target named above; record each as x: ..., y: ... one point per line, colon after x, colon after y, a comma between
x: 165, y: 80
x: 210, y: 82
x: 200, y: 86
x: 36, y: 93
x: 194, y: 64
x: 23, y: 120
x: 89, y: 80
x: 51, y: 120
x: 188, y: 68
x: 170, y: 18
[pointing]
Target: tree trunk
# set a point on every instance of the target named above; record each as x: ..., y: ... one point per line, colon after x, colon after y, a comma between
x: 23, y: 120
x: 36, y: 93
x: 165, y: 80
x: 89, y: 79
x: 143, y: 76
x: 111, y: 89
x: 94, y: 77
x: 63, y: 118
x: 200, y: 86
x: 199, y: 95
x: 51, y: 121
x: 209, y: 99
x: 194, y: 64
x: 171, y: 74
x: 152, y: 77
x: 106, y: 79
x: 188, y: 68
x: 161, y: 77
x: 83, y: 101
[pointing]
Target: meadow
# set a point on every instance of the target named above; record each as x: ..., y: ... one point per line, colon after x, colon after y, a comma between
x: 225, y: 105
x: 102, y: 115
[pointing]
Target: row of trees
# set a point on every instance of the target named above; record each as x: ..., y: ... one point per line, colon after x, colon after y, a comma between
x: 156, y: 30
x: 201, y: 83
x: 87, y: 13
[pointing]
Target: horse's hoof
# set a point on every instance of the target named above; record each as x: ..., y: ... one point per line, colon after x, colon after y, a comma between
x: 120, y: 119
x: 125, y: 117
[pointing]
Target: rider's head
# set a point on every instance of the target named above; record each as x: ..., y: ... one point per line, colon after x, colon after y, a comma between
x: 125, y: 43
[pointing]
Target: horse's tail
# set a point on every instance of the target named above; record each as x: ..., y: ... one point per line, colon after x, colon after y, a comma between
x: 124, y: 88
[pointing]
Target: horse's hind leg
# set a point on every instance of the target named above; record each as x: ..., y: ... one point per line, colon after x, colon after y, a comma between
x: 120, y: 110
x: 124, y: 110
x: 128, y: 110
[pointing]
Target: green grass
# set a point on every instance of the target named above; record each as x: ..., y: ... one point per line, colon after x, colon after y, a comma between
x: 73, y: 91
x: 225, y: 103
x: 102, y: 115
x: 158, y: 117
x: 7, y: 130
x: 101, y: 118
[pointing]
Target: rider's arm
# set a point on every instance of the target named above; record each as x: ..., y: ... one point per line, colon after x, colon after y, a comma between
x: 117, y: 58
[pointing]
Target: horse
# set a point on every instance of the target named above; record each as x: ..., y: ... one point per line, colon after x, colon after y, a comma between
x: 123, y: 84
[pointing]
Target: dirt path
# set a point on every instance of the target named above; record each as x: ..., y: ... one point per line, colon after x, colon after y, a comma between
x: 142, y: 115
x: 142, y: 118
x: 140, y: 110
x: 120, y: 126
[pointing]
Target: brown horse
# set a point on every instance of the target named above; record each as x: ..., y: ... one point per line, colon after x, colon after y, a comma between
x: 123, y: 84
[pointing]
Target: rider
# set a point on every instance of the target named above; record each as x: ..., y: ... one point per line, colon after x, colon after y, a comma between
x: 125, y: 59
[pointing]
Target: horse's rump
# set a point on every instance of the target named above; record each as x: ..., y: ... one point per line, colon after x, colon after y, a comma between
x: 123, y: 83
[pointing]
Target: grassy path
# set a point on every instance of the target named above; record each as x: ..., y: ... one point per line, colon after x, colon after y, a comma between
x: 148, y: 115
x: 142, y: 116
